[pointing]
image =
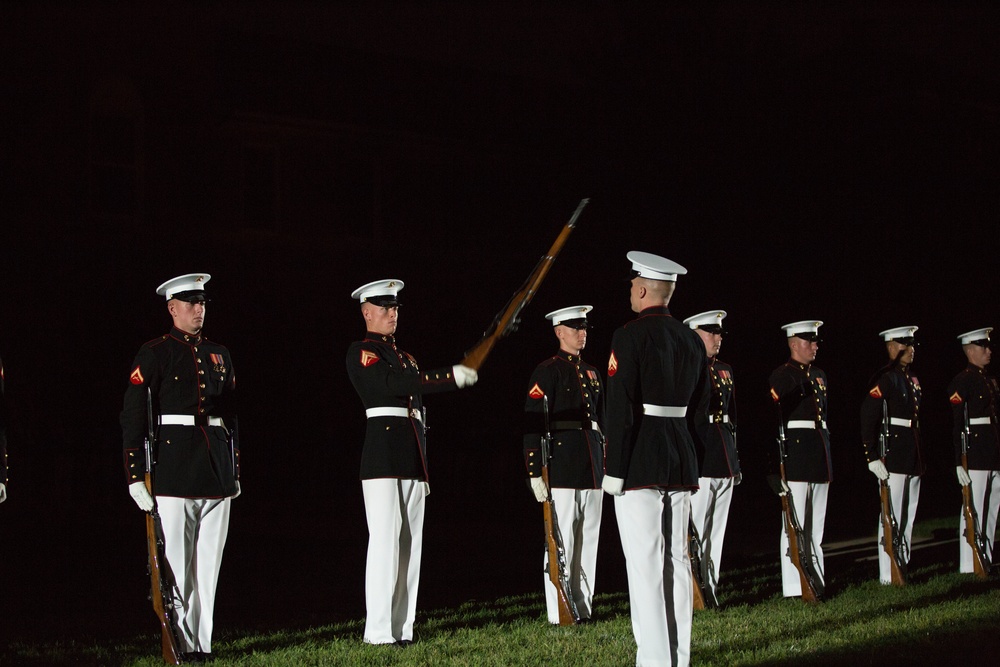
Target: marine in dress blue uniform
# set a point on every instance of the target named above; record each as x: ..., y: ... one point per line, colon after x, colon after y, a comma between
x: 720, y: 461
x: 192, y: 382
x: 799, y: 390
x: 393, y: 461
x: 976, y: 390
x: 575, y: 392
x: 656, y: 382
x: 898, y: 389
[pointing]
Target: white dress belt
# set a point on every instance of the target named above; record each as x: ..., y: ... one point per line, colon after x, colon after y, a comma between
x: 188, y: 420
x: 664, y: 410
x: 896, y: 421
x: 804, y: 423
x: 979, y: 421
x: 724, y: 419
x: 393, y: 412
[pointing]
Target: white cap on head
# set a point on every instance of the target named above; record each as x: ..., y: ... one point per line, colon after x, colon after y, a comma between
x: 902, y: 334
x: 379, y: 292
x: 654, y: 267
x: 978, y: 336
x: 189, y: 287
x: 808, y: 329
x: 574, y: 317
x: 710, y: 321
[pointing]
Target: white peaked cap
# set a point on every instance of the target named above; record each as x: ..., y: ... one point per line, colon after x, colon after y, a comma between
x: 189, y: 282
x: 566, y: 314
x: 898, y: 332
x: 708, y: 318
x: 976, y: 335
x: 655, y: 267
x: 385, y: 288
x: 803, y: 326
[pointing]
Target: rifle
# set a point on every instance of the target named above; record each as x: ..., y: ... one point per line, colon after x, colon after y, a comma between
x: 505, y: 322
x: 703, y: 597
x: 798, y: 543
x: 973, y: 535
x: 159, y: 571
x: 568, y: 613
x: 892, y: 541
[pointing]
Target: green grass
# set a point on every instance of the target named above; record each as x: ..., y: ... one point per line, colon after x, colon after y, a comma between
x: 940, y: 617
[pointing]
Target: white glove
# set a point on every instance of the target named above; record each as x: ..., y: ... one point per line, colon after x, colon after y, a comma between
x: 141, y: 496
x: 963, y: 476
x: 737, y: 479
x: 539, y: 489
x: 427, y: 488
x: 464, y: 376
x: 878, y: 469
x: 613, y: 485
x: 3, y: 492
x: 238, y: 491
x: 785, y: 489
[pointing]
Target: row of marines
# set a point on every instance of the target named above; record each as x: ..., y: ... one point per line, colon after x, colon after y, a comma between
x: 656, y: 431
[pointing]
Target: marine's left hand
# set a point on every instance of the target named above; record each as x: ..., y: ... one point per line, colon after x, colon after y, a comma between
x: 737, y: 478
x: 238, y: 490
x: 3, y: 492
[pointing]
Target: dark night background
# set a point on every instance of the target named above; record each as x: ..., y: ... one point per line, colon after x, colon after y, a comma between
x: 802, y: 161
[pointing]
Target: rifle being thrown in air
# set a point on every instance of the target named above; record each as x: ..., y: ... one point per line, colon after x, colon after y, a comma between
x: 892, y: 541
x: 981, y: 563
x: 799, y: 550
x: 505, y: 322
x: 161, y: 588
x: 568, y: 613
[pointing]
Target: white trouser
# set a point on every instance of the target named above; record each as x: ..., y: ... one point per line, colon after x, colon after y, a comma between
x: 653, y: 524
x: 194, y: 536
x: 809, y: 501
x: 985, y: 493
x: 578, y: 514
x: 710, y: 514
x: 904, y: 492
x: 395, y: 512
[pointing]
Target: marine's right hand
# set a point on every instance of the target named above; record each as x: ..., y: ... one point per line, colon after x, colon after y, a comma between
x: 140, y: 494
x: 614, y: 486
x: 464, y: 376
x: 539, y: 489
x: 878, y: 469
x: 963, y: 476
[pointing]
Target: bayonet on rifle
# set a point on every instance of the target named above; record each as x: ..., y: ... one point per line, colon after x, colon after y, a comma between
x: 981, y: 563
x: 892, y: 541
x: 557, y: 571
x: 161, y: 590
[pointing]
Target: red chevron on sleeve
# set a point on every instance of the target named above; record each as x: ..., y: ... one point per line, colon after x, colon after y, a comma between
x: 536, y: 392
x: 368, y: 358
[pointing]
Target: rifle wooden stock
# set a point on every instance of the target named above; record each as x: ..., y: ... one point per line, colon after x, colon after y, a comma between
x: 506, y: 319
x: 796, y: 547
x: 695, y: 555
x: 157, y: 560
x: 891, y: 537
x: 568, y: 614
x: 980, y: 562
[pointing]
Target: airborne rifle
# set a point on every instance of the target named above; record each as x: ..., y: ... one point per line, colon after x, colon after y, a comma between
x: 702, y: 594
x: 506, y: 320
x: 568, y: 613
x: 161, y: 590
x: 973, y: 535
x: 798, y: 543
x: 892, y: 541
